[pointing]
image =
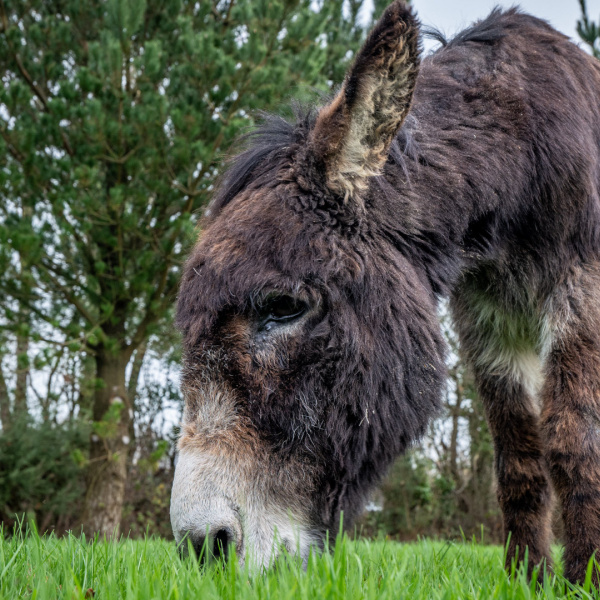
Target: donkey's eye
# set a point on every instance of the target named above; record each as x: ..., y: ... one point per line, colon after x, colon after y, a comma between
x: 280, y: 309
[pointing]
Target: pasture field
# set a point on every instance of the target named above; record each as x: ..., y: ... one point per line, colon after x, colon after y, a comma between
x: 71, y: 568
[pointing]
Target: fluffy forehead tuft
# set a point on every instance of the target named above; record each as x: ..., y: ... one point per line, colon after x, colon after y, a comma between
x: 267, y: 148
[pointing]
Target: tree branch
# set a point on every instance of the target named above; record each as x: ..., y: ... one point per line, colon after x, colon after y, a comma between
x: 68, y: 294
x: 14, y: 152
x: 34, y: 87
x: 39, y: 93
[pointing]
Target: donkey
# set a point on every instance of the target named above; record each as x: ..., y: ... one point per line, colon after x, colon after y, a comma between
x: 313, y: 352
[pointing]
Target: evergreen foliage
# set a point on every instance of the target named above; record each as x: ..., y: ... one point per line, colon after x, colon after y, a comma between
x: 114, y: 118
x: 588, y: 30
x: 40, y: 471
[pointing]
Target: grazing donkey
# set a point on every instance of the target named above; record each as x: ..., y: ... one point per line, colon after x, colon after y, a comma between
x: 313, y: 353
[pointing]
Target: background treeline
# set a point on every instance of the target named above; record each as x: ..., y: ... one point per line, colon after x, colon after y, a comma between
x: 115, y: 118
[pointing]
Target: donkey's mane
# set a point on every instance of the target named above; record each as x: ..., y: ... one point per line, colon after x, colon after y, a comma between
x: 264, y: 147
x: 486, y: 31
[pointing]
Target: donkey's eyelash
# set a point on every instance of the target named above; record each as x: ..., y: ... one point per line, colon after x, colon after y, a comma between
x: 279, y: 309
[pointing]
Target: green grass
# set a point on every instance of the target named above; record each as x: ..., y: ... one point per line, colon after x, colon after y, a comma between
x: 51, y: 568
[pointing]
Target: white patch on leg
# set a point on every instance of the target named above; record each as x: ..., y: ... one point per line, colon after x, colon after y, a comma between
x: 524, y: 367
x: 513, y: 346
x: 527, y: 370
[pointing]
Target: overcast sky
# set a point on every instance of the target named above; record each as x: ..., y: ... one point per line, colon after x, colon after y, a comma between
x: 451, y: 16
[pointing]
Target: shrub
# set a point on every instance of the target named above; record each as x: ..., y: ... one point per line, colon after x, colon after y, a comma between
x: 41, y: 472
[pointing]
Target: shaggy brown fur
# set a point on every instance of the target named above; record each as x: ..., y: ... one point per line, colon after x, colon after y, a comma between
x: 308, y: 305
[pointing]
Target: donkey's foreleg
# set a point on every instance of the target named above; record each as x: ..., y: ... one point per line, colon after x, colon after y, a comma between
x: 524, y: 491
x: 500, y: 346
x: 571, y: 426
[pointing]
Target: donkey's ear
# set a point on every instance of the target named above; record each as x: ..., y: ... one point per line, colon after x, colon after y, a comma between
x: 353, y: 134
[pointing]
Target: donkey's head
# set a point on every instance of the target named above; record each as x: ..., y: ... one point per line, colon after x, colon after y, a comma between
x: 312, y: 354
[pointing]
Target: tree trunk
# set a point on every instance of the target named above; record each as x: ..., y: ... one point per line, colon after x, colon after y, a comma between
x: 136, y: 369
x: 107, y: 470
x: 4, y: 402
x: 484, y: 503
x: 23, y: 335
x: 22, y: 372
x: 455, y: 413
x: 132, y: 389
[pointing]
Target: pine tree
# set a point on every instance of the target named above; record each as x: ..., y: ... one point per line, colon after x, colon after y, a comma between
x: 114, y: 117
x: 588, y: 31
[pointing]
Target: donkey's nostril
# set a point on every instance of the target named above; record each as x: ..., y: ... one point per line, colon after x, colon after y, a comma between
x: 216, y: 545
x: 200, y: 548
x: 222, y: 540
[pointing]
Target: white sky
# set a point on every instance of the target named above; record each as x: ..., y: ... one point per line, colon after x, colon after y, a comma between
x: 451, y: 16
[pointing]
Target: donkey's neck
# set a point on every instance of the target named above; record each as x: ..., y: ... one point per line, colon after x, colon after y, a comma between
x: 461, y: 169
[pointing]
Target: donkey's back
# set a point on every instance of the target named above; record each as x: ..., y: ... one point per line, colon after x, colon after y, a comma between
x: 506, y: 131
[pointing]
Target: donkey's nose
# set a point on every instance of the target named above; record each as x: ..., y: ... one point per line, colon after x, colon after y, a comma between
x: 212, y: 546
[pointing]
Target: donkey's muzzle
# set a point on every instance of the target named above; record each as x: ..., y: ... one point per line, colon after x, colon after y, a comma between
x: 205, y: 519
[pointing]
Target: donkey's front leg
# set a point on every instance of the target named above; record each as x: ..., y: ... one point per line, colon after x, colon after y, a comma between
x: 524, y: 491
x: 571, y: 425
x: 499, y: 345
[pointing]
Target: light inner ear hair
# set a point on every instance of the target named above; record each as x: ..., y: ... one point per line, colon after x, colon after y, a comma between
x: 353, y: 134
